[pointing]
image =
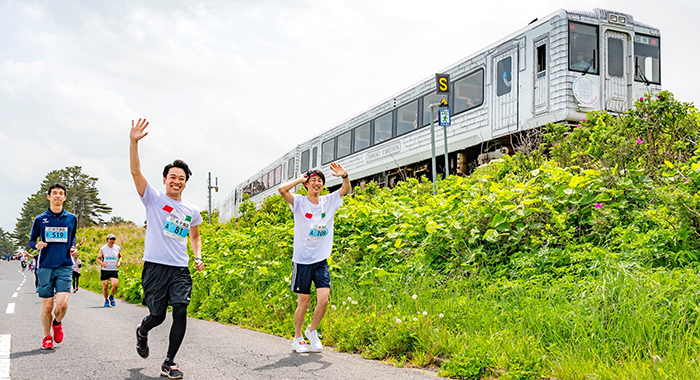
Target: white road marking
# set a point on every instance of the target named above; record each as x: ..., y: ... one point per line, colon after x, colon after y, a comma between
x: 19, y: 288
x: 14, y: 295
x: 10, y: 308
x: 5, y: 356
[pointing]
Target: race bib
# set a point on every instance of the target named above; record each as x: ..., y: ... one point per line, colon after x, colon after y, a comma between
x: 318, y: 231
x: 176, y: 229
x: 56, y: 234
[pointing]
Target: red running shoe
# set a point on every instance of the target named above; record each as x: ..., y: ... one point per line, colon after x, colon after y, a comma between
x: 58, y: 333
x: 47, y: 344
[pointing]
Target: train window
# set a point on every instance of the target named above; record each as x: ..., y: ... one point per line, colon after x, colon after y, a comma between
x: 305, y: 161
x: 616, y: 56
x: 270, y: 179
x: 505, y: 76
x: 278, y: 175
x: 328, y: 151
x: 362, y: 134
x: 427, y: 101
x: 290, y: 168
x: 344, y: 144
x: 541, y: 59
x: 469, y: 92
x: 382, y: 128
x: 407, y: 118
x: 314, y: 153
x: 646, y: 59
x: 583, y: 45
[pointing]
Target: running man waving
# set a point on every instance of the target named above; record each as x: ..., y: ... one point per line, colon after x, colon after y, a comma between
x: 313, y: 242
x: 166, y: 277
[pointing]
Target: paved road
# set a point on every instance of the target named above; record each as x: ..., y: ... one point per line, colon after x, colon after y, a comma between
x: 100, y: 343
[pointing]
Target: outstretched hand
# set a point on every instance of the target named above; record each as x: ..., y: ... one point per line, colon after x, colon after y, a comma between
x: 338, y: 170
x: 137, y: 131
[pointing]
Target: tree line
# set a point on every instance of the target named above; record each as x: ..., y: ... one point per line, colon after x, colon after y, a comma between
x: 83, y: 200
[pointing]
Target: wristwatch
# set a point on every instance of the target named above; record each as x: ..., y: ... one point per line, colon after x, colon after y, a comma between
x: 344, y: 176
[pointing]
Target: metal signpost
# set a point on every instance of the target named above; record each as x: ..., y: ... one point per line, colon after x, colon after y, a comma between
x: 212, y: 187
x: 442, y: 87
x: 445, y: 121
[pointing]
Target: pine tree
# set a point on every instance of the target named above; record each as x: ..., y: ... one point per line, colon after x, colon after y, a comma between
x: 83, y: 201
x: 6, y: 243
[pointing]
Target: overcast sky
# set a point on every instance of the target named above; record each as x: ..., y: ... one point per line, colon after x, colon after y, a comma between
x: 229, y: 86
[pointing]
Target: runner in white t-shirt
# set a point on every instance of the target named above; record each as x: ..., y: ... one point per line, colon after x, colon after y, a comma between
x: 313, y: 242
x: 110, y: 259
x: 166, y: 276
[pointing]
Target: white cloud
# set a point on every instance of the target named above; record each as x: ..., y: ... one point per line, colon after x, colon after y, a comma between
x: 229, y: 86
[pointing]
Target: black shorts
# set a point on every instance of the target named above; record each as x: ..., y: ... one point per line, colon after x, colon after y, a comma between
x: 76, y: 274
x: 165, y: 285
x: 107, y: 274
x: 303, y: 275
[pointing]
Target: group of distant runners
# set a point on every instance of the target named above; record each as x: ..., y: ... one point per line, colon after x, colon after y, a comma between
x: 166, y: 279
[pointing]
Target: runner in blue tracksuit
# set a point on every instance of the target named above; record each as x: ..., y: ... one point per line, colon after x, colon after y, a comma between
x: 53, y: 235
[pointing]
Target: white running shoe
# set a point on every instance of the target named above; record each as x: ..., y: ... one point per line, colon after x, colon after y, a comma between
x: 313, y: 339
x: 299, y: 345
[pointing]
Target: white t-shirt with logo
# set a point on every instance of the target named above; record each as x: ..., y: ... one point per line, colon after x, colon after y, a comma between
x: 76, y: 264
x: 313, y: 227
x: 110, y: 256
x: 168, y: 223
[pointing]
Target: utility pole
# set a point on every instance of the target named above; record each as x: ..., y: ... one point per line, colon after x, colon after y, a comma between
x: 209, y: 188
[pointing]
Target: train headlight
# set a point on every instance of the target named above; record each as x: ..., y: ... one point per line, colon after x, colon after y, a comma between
x: 612, y: 18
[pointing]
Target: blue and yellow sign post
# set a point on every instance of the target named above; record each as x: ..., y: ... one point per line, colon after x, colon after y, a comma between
x: 442, y: 87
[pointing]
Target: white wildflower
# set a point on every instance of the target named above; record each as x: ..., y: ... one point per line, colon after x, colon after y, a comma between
x: 388, y: 306
x: 425, y: 313
x: 441, y: 315
x: 415, y: 296
x: 415, y: 319
x: 354, y: 302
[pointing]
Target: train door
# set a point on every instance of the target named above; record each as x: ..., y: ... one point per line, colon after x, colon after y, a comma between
x: 616, y: 69
x: 540, y: 94
x: 505, y: 92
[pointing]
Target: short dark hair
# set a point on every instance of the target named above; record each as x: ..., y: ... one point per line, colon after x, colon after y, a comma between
x: 316, y: 172
x: 57, y: 185
x: 178, y: 164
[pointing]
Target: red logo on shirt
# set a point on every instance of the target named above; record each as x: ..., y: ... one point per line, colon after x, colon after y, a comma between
x: 308, y: 216
x: 167, y: 208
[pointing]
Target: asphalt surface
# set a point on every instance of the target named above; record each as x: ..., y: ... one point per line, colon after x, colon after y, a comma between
x: 100, y: 342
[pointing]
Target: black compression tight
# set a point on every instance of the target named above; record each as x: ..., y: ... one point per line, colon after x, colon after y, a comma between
x: 177, y: 331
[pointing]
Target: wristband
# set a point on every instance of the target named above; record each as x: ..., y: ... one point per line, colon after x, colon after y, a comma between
x: 344, y: 176
x: 198, y: 260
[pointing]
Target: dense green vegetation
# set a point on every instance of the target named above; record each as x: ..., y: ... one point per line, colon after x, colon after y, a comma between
x: 576, y: 260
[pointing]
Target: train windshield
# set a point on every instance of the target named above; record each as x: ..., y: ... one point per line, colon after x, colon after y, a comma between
x: 583, y: 47
x: 647, y: 53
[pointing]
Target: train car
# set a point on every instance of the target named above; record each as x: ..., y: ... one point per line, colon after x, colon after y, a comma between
x: 556, y: 69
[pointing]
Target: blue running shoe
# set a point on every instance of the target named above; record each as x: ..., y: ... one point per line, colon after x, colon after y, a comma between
x: 106, y: 303
x: 111, y: 301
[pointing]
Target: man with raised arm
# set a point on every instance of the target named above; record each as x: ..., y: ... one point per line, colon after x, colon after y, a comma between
x: 53, y: 235
x: 313, y: 242
x: 166, y: 277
